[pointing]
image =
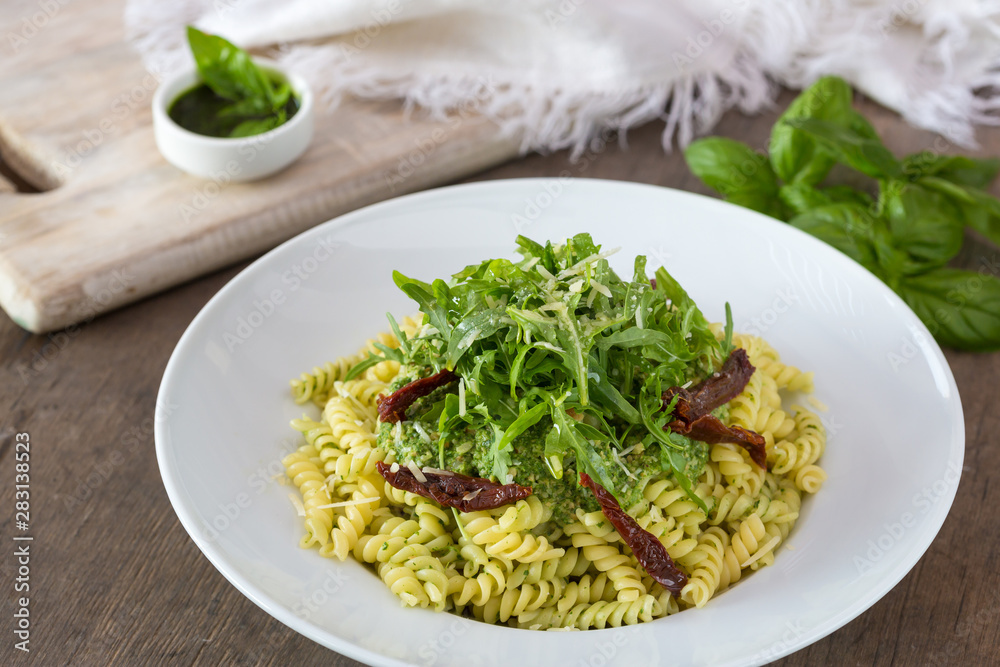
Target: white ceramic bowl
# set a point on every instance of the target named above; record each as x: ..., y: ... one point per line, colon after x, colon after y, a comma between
x: 896, y: 432
x: 242, y: 159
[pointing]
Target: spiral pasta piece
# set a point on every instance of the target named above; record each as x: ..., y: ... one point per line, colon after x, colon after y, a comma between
x: 612, y: 614
x: 315, y: 386
x: 750, y: 543
x: 609, y: 559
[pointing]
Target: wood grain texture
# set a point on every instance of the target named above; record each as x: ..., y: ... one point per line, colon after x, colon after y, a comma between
x: 116, y: 580
x: 115, y: 222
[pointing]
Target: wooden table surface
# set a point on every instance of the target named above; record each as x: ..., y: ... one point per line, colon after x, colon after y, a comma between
x: 114, y: 579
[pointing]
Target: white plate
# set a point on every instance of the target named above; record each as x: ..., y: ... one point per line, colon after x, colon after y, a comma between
x: 895, y: 419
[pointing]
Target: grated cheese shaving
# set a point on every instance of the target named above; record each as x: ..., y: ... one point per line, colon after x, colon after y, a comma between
x: 618, y: 461
x: 416, y: 472
x: 394, y: 467
x: 421, y: 432
x: 472, y: 494
x: 818, y: 404
x: 438, y: 471
x: 601, y: 287
x: 763, y: 551
x: 545, y: 272
x: 359, y: 501
x: 461, y: 397
x: 300, y: 509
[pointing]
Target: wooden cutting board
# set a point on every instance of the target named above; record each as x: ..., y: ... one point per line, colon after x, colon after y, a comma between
x: 115, y: 222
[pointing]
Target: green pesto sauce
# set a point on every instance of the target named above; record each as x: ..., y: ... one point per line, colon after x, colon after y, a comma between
x: 198, y: 110
x: 468, y: 454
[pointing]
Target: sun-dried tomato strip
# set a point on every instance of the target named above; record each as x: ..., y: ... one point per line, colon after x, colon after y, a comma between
x: 708, y: 428
x: 715, y: 390
x: 392, y: 408
x: 692, y: 412
x: 648, y: 550
x: 467, y: 494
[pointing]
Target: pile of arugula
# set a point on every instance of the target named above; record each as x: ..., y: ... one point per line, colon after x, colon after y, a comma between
x: 252, y: 102
x: 905, y: 234
x: 559, y: 340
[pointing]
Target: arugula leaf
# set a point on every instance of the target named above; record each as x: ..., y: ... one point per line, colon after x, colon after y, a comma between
x: 503, y: 440
x: 960, y: 308
x: 564, y: 438
x: 602, y: 388
x: 686, y: 460
x: 855, y: 145
x: 471, y: 329
x: 727, y: 340
x: 424, y: 295
x: 794, y: 154
x: 701, y: 338
x: 736, y: 171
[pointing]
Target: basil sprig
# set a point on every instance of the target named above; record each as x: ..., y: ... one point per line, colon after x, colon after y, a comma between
x: 905, y: 234
x: 258, y: 101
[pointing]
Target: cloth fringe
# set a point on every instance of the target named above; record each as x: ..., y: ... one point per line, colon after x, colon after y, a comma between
x: 937, y: 62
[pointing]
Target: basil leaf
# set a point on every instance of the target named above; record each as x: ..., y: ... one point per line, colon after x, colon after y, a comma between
x: 255, y: 126
x: 977, y: 173
x: 801, y: 198
x: 228, y: 69
x: 960, y: 308
x: 924, y: 224
x: 794, y: 155
x: 984, y: 215
x: 847, y: 227
x: 740, y: 174
x: 856, y: 145
x: 979, y: 209
x: 251, y: 106
x: 843, y: 194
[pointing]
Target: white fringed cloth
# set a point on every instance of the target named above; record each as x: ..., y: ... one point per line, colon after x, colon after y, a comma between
x: 557, y: 72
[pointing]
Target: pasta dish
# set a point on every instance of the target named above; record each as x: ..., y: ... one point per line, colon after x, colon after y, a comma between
x: 549, y: 445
